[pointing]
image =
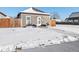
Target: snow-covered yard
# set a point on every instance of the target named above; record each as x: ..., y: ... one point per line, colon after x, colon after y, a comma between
x: 70, y: 28
x: 29, y: 37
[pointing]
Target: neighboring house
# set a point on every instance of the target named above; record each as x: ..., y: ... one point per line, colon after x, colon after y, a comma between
x: 33, y: 16
x: 73, y: 18
x: 2, y: 15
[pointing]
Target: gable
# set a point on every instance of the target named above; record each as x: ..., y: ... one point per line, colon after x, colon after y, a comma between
x: 33, y: 10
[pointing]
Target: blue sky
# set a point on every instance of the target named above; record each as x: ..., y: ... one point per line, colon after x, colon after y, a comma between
x: 62, y: 11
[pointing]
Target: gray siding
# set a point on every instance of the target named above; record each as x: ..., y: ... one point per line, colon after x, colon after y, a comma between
x: 44, y: 19
x: 23, y: 18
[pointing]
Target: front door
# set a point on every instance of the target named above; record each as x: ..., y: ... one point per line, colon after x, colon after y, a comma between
x: 38, y: 21
x: 28, y: 20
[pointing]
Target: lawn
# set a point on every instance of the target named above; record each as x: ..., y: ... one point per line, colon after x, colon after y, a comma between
x: 29, y: 37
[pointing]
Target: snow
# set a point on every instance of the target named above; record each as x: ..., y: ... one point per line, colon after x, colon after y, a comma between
x: 70, y: 28
x: 29, y: 37
x: 31, y: 10
x: 58, y: 20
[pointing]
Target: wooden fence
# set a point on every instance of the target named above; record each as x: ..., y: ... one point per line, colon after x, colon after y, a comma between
x: 52, y: 23
x: 9, y: 22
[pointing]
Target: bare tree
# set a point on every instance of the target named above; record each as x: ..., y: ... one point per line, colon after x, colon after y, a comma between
x: 55, y: 15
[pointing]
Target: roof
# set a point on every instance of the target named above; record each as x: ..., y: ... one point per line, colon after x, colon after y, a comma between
x: 34, y: 11
x: 3, y: 14
x: 74, y: 14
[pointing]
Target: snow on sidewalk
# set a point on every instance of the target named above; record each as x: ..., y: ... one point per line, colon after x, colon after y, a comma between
x: 24, y: 38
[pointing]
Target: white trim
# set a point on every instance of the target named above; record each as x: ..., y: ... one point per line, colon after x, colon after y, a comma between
x: 38, y: 20
x: 21, y: 20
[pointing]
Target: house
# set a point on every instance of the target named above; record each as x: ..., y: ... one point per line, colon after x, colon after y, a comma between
x: 73, y: 18
x: 33, y: 16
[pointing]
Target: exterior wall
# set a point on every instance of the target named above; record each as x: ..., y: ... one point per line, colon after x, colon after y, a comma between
x: 44, y: 19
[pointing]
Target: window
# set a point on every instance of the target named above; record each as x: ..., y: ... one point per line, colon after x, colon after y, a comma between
x: 76, y: 20
x: 28, y: 19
